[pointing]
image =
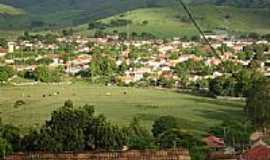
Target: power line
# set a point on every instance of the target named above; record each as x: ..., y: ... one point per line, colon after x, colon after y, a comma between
x: 188, y: 11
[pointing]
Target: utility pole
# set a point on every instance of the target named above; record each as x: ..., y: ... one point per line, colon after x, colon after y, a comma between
x: 197, y: 26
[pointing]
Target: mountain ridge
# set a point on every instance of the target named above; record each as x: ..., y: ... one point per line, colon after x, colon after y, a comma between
x: 51, y: 14
x: 169, y: 22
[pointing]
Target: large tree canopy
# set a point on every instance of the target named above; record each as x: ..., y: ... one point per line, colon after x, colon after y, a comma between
x: 258, y: 104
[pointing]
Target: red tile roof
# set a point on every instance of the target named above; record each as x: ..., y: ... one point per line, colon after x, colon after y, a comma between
x: 2, y: 50
x: 214, y: 142
x: 257, y: 153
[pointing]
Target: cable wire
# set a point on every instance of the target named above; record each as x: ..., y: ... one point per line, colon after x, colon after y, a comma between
x: 196, y: 24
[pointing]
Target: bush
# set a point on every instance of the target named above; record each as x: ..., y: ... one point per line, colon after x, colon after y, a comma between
x: 19, y: 103
x: 119, y: 22
x: 5, y: 147
x: 44, y: 74
x: 5, y: 73
x: 139, y: 137
x: 164, y: 124
x: 145, y: 22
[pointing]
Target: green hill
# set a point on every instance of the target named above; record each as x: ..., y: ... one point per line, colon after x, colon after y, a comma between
x: 62, y: 13
x: 163, y: 18
x: 58, y: 13
x: 8, y: 10
x: 168, y: 21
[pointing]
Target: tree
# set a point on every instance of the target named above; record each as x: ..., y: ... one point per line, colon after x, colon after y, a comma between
x: 6, y: 72
x: 102, y: 66
x: 174, y: 56
x: 44, y: 74
x: 245, y: 79
x: 9, y: 139
x: 5, y: 147
x: 176, y: 138
x: 31, y: 141
x: 216, y: 86
x: 139, y: 137
x: 258, y: 104
x: 145, y: 22
x: 166, y: 83
x: 102, y: 135
x: 65, y: 130
x: 183, y: 70
x: 45, y: 61
x: 229, y: 67
x: 3, y: 43
x: 235, y: 133
x: 71, y: 129
x: 163, y: 124
x: 100, y: 34
x: 254, y: 36
x: 12, y: 135
x: 68, y: 32
x: 3, y: 76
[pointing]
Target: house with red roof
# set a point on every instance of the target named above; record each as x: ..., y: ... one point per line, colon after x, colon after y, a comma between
x: 214, y: 142
x: 3, y: 52
x: 257, y: 153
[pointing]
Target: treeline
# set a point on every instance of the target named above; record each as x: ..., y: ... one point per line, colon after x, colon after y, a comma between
x: 112, y: 23
x: 235, y: 85
x: 245, y: 3
x: 239, y: 79
x: 42, y: 73
x: 6, y: 72
x: 80, y: 129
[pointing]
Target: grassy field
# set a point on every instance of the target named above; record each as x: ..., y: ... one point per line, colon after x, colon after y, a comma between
x: 168, y: 22
x: 194, y: 113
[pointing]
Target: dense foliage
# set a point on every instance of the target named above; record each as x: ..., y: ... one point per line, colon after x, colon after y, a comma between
x: 235, y: 134
x: 9, y: 139
x: 71, y: 129
x: 44, y: 74
x: 236, y: 85
x: 258, y: 104
x: 6, y: 72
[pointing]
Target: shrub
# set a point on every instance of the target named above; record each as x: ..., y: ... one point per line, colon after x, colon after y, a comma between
x: 164, y: 124
x: 19, y: 103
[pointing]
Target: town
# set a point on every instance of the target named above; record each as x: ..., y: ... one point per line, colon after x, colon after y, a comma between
x: 134, y: 80
x: 166, y: 63
x: 225, y: 70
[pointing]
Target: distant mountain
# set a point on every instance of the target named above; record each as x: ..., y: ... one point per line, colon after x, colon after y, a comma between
x: 40, y: 13
x: 239, y: 3
x: 245, y: 3
x: 64, y: 13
